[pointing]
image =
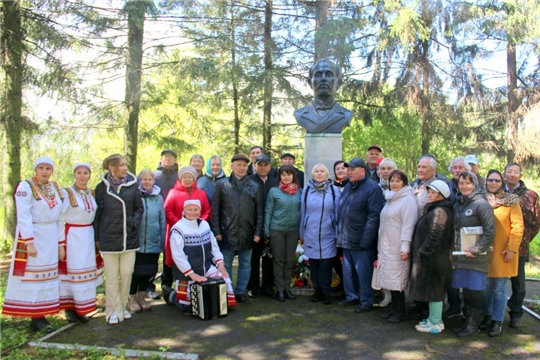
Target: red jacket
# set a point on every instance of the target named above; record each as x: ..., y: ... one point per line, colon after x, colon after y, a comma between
x: 174, y: 206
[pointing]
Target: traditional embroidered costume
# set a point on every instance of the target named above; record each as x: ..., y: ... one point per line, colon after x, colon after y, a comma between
x: 195, y: 250
x: 33, y: 287
x: 79, y: 274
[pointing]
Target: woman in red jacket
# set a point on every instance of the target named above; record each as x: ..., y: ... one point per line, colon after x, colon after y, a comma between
x: 184, y: 189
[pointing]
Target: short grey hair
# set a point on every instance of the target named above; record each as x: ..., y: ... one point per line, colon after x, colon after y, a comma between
x: 432, y: 161
x: 455, y: 160
x: 388, y: 161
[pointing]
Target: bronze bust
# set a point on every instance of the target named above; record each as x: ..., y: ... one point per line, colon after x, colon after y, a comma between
x: 324, y: 114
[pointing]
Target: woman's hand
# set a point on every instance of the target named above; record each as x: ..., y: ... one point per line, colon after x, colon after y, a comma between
x: 256, y: 238
x: 61, y: 253
x: 219, y: 237
x: 223, y: 270
x: 31, y: 250
x: 469, y: 254
x: 198, y: 278
x: 404, y: 256
x: 508, y: 255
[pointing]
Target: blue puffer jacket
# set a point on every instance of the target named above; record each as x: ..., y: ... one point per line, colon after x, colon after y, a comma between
x: 359, y: 211
x: 319, y: 219
x: 282, y: 212
x: 152, y: 228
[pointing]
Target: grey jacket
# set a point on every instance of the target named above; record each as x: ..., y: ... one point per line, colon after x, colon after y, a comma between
x: 474, y: 210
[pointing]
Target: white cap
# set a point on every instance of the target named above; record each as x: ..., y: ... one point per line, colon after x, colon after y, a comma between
x: 192, y: 202
x: 471, y: 159
x: 81, y: 164
x: 43, y: 160
x: 441, y: 187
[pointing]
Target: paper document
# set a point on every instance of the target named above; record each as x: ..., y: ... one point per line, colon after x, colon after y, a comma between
x: 469, y: 238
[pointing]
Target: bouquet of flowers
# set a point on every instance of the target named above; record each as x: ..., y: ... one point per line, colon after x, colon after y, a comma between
x: 301, y: 269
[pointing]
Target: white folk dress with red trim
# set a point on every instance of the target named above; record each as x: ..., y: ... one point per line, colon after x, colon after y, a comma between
x: 78, y: 286
x: 36, y: 293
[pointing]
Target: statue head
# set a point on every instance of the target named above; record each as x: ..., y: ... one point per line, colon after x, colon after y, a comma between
x: 324, y: 79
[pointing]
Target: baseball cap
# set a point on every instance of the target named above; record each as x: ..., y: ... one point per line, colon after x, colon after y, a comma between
x: 287, y: 154
x: 169, y: 151
x: 262, y: 158
x: 441, y: 187
x: 471, y: 159
x: 355, y: 163
x: 375, y: 147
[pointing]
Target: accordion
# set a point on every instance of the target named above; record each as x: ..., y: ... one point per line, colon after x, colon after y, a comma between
x: 209, y: 299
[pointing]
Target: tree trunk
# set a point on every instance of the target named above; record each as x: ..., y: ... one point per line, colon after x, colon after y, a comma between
x: 425, y: 107
x: 321, y: 14
x: 237, y: 149
x: 11, y: 119
x: 136, y: 12
x: 513, y: 101
x: 268, y: 79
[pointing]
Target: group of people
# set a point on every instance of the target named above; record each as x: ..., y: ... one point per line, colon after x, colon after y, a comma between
x: 430, y: 237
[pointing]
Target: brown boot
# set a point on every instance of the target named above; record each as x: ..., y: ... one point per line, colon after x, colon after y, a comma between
x: 141, y: 299
x: 133, y: 306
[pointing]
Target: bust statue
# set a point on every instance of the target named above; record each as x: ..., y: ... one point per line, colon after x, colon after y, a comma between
x: 324, y: 114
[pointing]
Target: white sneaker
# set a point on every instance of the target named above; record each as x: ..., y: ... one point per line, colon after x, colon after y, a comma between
x: 428, y: 327
x: 113, y: 319
x: 127, y: 314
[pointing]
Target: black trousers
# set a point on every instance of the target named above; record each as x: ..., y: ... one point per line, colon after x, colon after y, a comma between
x: 518, y: 290
x: 321, y: 274
x: 267, y: 270
x: 452, y: 293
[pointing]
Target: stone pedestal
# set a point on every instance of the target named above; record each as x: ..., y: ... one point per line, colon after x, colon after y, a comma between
x: 321, y: 148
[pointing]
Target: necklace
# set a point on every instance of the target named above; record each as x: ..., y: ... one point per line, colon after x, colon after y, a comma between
x: 84, y: 195
x: 47, y: 192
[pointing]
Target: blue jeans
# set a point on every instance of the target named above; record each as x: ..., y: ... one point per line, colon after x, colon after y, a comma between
x: 357, y: 272
x: 495, y: 298
x: 244, y: 268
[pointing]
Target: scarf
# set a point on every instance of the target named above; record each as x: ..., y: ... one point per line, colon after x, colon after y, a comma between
x: 321, y: 186
x: 289, y: 188
x: 144, y: 191
x: 384, y: 184
x: 501, y: 198
x: 115, y: 183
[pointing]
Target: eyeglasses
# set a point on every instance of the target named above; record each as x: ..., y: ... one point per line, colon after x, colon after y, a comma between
x: 515, y: 172
x: 494, y: 180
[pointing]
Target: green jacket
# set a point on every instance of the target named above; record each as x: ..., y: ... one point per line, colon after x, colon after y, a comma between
x: 282, y: 212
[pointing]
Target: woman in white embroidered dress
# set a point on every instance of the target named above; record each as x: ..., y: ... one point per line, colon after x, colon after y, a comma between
x: 79, y: 274
x: 32, y: 289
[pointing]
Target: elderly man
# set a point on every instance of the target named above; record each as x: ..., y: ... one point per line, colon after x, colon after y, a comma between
x: 237, y: 221
x: 472, y: 160
x: 254, y: 152
x: 427, y: 171
x: 531, y: 223
x: 324, y: 114
x: 457, y: 166
x: 263, y: 177
x: 374, y: 156
x: 360, y: 206
x: 165, y: 177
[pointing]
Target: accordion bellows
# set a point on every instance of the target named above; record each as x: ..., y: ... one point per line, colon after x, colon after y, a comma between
x: 209, y: 299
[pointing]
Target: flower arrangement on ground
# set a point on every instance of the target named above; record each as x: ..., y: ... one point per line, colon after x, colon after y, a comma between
x: 301, y: 269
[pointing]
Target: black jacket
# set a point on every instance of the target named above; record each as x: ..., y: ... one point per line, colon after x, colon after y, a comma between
x: 432, y: 243
x: 237, y: 213
x: 360, y: 207
x: 166, y: 179
x: 118, y: 216
x: 474, y: 210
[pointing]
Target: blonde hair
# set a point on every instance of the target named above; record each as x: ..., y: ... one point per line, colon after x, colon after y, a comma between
x: 113, y: 160
x: 146, y: 172
x: 320, y: 165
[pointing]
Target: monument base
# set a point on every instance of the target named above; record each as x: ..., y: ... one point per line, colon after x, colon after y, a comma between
x: 325, y: 148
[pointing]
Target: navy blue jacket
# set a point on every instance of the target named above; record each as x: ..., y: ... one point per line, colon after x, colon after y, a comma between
x: 360, y: 206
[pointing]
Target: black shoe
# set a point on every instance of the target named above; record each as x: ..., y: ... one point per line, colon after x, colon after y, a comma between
x: 348, y: 302
x: 389, y: 311
x: 252, y: 293
x: 242, y: 298
x: 450, y: 313
x: 515, y: 322
x: 166, y: 291
x: 496, y: 329
x: 317, y: 296
x: 71, y: 316
x: 486, y: 323
x: 363, y: 308
x: 327, y: 300
x: 280, y: 296
x: 397, y: 317
x: 151, y: 294
x: 289, y: 296
x: 82, y: 318
x: 41, y: 324
x: 267, y: 292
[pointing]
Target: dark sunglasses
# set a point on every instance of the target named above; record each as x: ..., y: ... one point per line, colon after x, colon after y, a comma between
x: 494, y: 180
